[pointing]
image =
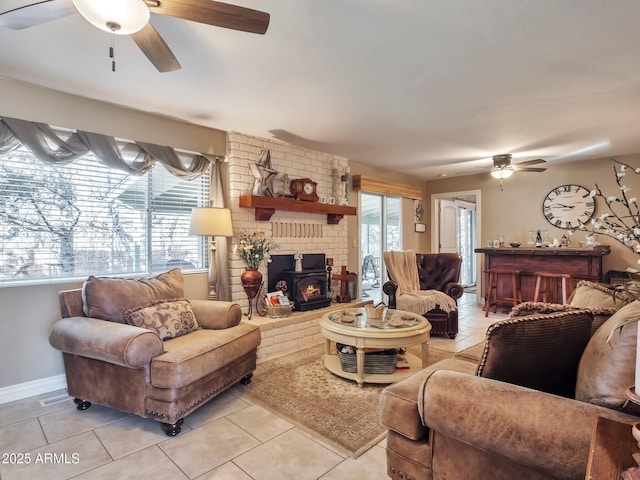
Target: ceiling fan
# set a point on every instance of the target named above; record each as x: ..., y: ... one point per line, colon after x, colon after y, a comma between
x: 502, y: 167
x: 131, y: 17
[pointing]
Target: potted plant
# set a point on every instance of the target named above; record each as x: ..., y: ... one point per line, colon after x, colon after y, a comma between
x: 253, y: 248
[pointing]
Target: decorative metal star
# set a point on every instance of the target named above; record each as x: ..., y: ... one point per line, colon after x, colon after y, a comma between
x: 263, y: 173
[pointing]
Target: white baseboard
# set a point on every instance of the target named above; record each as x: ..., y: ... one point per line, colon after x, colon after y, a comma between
x: 30, y: 389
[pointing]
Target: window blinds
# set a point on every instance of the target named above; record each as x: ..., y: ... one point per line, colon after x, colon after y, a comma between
x: 86, y: 218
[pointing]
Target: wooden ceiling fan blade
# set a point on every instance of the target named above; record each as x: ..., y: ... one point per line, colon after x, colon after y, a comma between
x: 156, y: 49
x: 36, y: 14
x: 530, y: 169
x: 532, y: 162
x: 213, y: 13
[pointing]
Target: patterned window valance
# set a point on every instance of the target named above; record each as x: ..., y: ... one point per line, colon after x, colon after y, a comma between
x: 136, y: 158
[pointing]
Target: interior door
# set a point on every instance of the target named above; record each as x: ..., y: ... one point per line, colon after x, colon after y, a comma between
x: 448, y: 226
x: 467, y: 235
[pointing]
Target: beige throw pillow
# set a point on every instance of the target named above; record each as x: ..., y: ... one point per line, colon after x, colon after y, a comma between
x: 594, y: 295
x: 107, y: 298
x: 607, y: 369
x: 168, y: 319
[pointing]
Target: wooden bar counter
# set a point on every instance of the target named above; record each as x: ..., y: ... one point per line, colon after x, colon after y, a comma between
x: 581, y: 263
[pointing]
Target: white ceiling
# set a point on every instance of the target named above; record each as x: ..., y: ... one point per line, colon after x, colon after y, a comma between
x: 424, y: 87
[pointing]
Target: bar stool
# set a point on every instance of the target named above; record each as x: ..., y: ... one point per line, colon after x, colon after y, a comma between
x: 544, y: 281
x: 492, y: 289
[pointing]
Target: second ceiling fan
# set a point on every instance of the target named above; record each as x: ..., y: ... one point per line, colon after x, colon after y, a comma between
x: 131, y: 17
x: 502, y: 167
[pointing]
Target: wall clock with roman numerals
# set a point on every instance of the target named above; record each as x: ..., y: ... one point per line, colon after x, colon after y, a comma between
x: 568, y: 206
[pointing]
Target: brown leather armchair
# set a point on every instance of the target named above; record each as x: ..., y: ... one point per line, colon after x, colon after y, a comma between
x: 120, y: 365
x: 436, y: 271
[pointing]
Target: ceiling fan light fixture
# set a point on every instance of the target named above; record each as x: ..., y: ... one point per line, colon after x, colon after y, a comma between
x: 122, y: 17
x: 502, y: 172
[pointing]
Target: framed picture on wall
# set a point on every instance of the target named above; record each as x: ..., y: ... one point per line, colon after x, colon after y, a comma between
x: 421, y: 227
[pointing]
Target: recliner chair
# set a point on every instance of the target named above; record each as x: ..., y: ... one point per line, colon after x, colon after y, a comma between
x: 436, y: 271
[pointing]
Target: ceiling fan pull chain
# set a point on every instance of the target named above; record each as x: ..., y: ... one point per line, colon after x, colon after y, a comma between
x: 112, y: 51
x: 113, y: 62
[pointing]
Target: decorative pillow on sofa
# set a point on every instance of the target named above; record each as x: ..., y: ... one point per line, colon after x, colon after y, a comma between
x: 107, y: 298
x: 607, y: 369
x: 600, y: 315
x: 537, y: 351
x: 168, y: 319
x: 595, y: 295
x: 602, y: 301
x: 524, y: 309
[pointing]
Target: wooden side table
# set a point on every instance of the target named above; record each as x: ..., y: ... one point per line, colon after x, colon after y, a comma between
x: 612, y: 449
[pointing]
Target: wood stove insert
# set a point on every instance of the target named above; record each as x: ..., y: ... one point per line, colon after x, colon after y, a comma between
x: 306, y: 289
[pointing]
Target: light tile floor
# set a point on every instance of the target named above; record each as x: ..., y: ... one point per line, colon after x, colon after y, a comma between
x: 229, y: 438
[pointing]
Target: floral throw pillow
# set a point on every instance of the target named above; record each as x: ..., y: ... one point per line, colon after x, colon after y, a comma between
x: 169, y: 319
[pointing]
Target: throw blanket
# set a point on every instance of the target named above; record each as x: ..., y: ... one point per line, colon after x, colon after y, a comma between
x: 403, y: 268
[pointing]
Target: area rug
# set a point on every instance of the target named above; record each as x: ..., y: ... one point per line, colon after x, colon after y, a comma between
x: 299, y: 388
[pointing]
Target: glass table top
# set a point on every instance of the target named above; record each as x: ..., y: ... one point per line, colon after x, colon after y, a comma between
x: 390, y: 320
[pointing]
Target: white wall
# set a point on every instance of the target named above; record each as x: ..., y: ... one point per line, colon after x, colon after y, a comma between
x: 39, y: 104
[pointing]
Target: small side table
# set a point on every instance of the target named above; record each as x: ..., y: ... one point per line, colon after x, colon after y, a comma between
x: 362, y: 332
x: 612, y: 449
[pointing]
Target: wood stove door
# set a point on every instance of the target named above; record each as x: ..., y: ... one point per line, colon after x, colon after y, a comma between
x: 310, y: 289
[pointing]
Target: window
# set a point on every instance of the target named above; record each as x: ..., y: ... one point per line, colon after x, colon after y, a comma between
x: 85, y: 218
x: 380, y: 230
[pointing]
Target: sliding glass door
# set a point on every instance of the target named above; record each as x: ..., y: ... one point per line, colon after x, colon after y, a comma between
x: 380, y: 230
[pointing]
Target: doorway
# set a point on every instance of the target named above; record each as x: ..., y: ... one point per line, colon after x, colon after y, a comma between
x: 456, y: 228
x: 380, y: 230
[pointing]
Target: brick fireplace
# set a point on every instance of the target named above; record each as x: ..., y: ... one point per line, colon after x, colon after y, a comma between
x: 294, y: 231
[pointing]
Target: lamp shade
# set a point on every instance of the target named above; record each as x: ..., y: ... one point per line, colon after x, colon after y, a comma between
x: 211, y: 221
x: 129, y: 16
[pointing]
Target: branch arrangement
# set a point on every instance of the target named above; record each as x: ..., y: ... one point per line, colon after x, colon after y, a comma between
x: 622, y: 221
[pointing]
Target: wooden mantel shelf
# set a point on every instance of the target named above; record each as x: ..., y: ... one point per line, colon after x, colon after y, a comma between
x: 267, y: 206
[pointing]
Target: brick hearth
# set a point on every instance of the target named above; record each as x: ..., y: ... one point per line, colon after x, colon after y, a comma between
x: 300, y: 330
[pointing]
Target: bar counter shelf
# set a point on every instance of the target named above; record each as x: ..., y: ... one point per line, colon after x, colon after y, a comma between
x: 597, y: 251
x: 581, y: 263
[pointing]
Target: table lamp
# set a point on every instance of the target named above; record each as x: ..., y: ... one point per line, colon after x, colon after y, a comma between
x: 211, y: 221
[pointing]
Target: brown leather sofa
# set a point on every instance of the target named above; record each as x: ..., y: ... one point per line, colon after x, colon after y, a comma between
x: 489, y: 414
x: 436, y: 271
x: 130, y: 368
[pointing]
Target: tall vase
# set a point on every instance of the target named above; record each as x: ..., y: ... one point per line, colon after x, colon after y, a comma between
x: 251, y: 280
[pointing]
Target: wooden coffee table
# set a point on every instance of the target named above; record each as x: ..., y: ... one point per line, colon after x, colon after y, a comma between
x: 396, y: 329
